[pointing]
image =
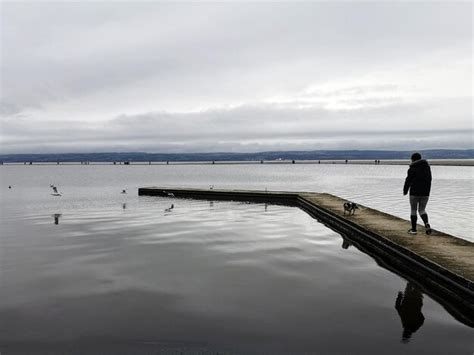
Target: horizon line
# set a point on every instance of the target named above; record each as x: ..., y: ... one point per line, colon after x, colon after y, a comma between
x: 256, y: 152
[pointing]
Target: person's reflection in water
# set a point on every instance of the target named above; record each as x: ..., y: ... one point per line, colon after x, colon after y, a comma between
x: 56, y: 218
x: 408, y: 306
x: 124, y: 205
x: 345, y: 242
x: 211, y: 204
x: 266, y: 207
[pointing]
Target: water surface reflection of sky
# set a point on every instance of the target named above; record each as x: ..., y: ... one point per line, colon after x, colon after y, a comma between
x: 96, y: 268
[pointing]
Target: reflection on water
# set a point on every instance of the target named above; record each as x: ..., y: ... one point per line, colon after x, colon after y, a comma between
x: 204, y: 276
x: 56, y: 218
x: 345, y: 243
x: 408, y: 306
x: 230, y: 279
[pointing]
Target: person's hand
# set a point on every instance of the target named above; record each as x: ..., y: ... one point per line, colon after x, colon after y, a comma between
x: 404, y: 193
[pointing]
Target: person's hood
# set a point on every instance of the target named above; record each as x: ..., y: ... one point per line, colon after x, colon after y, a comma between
x: 420, y: 162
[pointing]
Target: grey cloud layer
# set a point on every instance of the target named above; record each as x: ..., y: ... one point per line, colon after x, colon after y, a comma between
x: 246, y: 128
x: 187, y: 76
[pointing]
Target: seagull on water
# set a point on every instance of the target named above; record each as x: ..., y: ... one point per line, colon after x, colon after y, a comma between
x: 55, y: 190
x: 169, y: 209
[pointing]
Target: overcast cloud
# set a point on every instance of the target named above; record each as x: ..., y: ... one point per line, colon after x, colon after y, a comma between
x: 194, y: 77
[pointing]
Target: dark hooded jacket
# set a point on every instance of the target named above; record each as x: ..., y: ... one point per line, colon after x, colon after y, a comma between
x: 418, y: 179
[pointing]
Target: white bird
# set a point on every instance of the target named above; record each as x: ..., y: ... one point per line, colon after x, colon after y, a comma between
x: 170, y: 194
x: 55, y: 190
x: 211, y: 187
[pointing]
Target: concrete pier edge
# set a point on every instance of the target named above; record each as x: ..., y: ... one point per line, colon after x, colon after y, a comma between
x: 450, y: 282
x: 349, y: 226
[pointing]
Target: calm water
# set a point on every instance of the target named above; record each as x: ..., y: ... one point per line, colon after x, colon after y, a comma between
x: 98, y: 271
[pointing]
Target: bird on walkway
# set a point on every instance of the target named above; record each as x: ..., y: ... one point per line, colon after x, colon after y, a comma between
x: 170, y: 194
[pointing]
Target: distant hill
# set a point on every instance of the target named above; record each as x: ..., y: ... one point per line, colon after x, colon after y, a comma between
x: 284, y: 155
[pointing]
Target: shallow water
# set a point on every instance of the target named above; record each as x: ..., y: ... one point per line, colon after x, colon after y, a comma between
x: 98, y: 271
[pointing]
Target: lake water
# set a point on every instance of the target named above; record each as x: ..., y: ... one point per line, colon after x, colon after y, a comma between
x: 97, y: 271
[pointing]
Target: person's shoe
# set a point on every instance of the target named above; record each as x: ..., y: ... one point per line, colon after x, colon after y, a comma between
x: 411, y: 231
x: 428, y: 229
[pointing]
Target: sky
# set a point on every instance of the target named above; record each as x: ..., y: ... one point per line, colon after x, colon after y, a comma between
x: 235, y: 76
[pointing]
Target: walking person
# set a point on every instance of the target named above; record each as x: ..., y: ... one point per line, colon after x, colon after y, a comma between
x: 418, y: 182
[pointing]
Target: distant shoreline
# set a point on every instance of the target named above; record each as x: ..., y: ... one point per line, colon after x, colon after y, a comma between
x: 433, y: 162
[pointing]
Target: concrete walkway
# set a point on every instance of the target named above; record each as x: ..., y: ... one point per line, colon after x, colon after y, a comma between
x: 450, y: 252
